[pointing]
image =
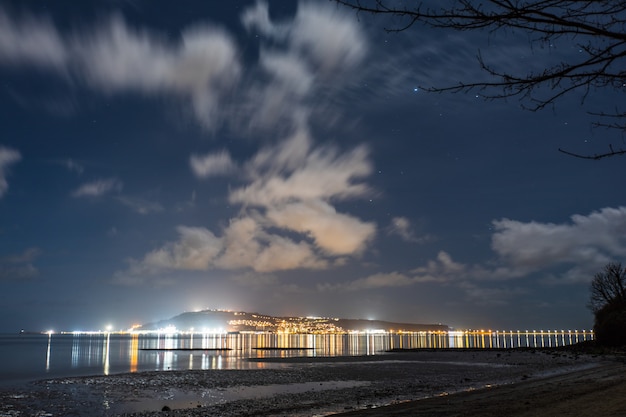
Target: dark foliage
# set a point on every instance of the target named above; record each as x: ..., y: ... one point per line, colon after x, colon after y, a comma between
x: 610, y: 326
x: 608, y: 302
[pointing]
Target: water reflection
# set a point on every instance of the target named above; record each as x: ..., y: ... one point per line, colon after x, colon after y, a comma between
x: 105, y: 356
x: 134, y: 352
x: 48, y: 352
x: 114, y: 353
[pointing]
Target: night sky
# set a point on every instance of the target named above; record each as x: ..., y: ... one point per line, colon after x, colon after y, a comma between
x: 159, y: 157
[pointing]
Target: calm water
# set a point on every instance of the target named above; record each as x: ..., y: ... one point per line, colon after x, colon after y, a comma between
x: 38, y: 356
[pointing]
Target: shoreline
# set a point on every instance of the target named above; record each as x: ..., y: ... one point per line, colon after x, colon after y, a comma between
x: 600, y: 390
x: 305, y: 386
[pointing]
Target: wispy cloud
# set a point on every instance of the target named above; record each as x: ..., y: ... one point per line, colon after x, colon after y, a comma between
x: 577, y: 250
x: 212, y: 164
x: 140, y: 205
x: 97, y: 188
x: 371, y: 282
x: 326, y: 36
x: 199, y: 67
x: 73, y: 166
x: 295, y: 170
x: 334, y: 233
x: 536, y: 244
x: 401, y: 226
x: 288, y: 218
x: 115, y: 57
x: 19, y: 266
x: 591, y: 241
x: 315, y: 52
x: 8, y: 157
x: 30, y: 40
x: 287, y: 221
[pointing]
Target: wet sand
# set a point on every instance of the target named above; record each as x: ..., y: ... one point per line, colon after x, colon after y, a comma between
x: 520, y: 382
x: 600, y: 391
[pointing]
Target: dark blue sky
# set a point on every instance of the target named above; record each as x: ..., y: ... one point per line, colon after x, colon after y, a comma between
x: 158, y: 157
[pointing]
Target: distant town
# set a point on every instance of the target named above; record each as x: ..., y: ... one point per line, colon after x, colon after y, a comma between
x: 216, y: 321
x: 227, y: 322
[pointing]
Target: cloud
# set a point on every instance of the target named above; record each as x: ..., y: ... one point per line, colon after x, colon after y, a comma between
x: 291, y: 76
x: 31, y: 41
x: 248, y: 245
x: 295, y: 188
x: 372, y: 282
x: 566, y: 253
x: 556, y: 253
x: 8, y: 157
x: 492, y: 296
x: 195, y: 250
x: 478, y: 283
x: 590, y: 241
x: 401, y: 226
x: 140, y: 205
x: 200, y: 67
x: 595, y: 238
x: 257, y: 17
x: 316, y: 51
x: 211, y: 164
x: 442, y: 269
x: 243, y: 245
x: 335, y: 233
x: 19, y: 266
x: 298, y: 172
x: 97, y: 188
x: 328, y: 37
x: 287, y: 220
x: 255, y: 280
x: 73, y: 166
x: 116, y: 58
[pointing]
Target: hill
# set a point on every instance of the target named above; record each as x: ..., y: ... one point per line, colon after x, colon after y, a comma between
x: 238, y: 321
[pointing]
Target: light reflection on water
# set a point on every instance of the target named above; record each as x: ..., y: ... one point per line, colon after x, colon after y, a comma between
x: 55, y: 355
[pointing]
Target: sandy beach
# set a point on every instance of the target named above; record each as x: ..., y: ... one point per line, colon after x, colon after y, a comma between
x: 599, y: 391
x: 519, y: 382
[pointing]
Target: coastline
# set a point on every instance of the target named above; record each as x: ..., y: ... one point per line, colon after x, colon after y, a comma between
x: 597, y: 391
x: 398, y: 383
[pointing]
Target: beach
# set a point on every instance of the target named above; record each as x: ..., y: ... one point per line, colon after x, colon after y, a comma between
x: 599, y: 391
x: 450, y: 382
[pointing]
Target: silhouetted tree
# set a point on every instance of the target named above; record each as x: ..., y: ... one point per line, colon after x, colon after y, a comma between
x: 608, y: 303
x: 598, y: 28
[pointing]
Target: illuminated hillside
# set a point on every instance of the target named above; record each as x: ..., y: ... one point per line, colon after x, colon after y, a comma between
x: 238, y: 321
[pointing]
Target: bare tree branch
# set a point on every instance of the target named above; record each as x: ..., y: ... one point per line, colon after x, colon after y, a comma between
x: 595, y: 156
x: 608, y: 288
x: 597, y: 27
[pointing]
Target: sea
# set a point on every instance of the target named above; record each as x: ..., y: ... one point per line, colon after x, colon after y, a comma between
x: 27, y: 357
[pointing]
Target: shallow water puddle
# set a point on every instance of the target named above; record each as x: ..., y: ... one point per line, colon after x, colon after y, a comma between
x: 181, y: 399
